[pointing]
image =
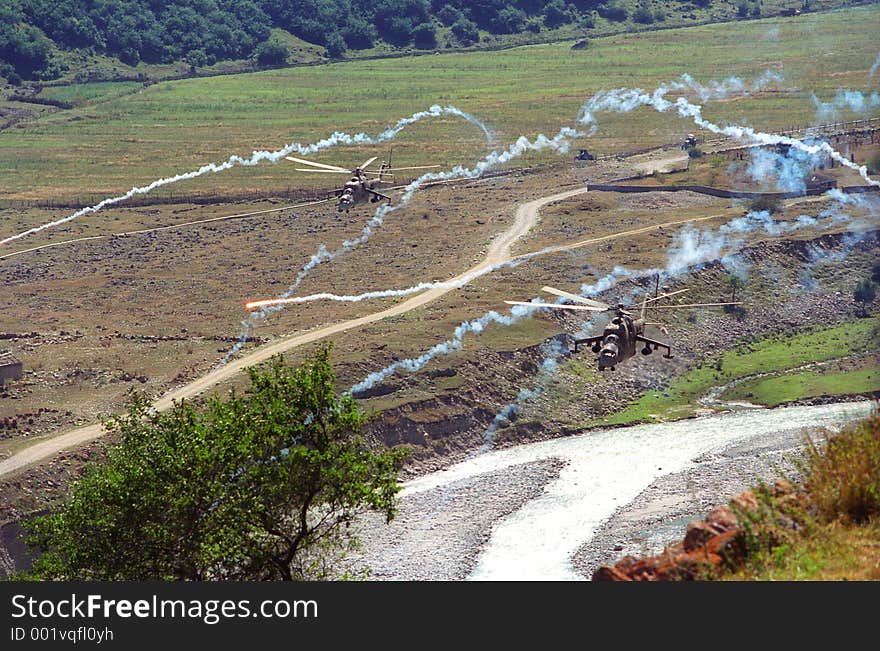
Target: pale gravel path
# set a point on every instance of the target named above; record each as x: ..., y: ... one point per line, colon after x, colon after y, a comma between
x: 438, y: 533
x: 499, y: 252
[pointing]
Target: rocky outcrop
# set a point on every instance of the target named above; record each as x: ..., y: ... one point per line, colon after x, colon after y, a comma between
x: 718, y: 541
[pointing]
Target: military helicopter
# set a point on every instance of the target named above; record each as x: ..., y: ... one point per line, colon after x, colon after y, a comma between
x: 617, y: 343
x: 362, y: 184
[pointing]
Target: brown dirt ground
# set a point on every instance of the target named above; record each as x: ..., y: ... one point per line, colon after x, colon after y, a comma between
x: 94, y: 320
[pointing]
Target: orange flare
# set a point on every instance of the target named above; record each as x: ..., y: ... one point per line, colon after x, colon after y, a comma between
x: 253, y: 305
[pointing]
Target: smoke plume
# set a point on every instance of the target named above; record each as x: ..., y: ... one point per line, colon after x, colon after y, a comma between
x: 552, y: 351
x: 691, y: 249
x: 851, y: 100
x: 624, y: 100
x: 874, y: 67
x: 258, y: 157
x: 559, y: 143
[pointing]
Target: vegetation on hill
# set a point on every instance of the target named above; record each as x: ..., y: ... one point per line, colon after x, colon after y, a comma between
x: 35, y: 33
x: 256, y: 486
x: 771, y: 355
x: 822, y: 524
x: 826, y: 528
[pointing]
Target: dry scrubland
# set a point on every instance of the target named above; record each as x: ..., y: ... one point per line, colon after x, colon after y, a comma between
x: 94, y: 320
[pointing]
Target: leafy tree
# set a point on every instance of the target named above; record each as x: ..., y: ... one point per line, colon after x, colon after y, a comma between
x: 465, y: 31
x: 614, y: 10
x: 396, y: 19
x: 768, y: 202
x: 254, y: 486
x: 864, y: 293
x: 644, y: 13
x: 425, y: 36
x: 27, y: 50
x: 196, y: 58
x: 335, y: 45
x: 449, y: 14
x: 510, y: 21
x: 554, y: 13
x: 875, y: 272
x: 398, y: 30
x: 273, y: 52
x: 359, y: 34
x: 735, y: 282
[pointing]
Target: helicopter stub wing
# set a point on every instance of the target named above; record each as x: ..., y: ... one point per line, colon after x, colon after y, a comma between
x: 588, y: 341
x: 656, y: 344
x: 379, y: 194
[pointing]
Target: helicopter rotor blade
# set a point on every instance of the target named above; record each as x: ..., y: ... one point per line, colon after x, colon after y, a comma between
x: 300, y: 169
x: 657, y: 298
x: 420, y: 167
x: 363, y: 166
x: 575, y: 297
x: 314, y: 164
x: 672, y: 307
x: 557, y: 306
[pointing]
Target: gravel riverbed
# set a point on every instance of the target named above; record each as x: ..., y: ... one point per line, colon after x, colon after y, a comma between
x: 440, y: 532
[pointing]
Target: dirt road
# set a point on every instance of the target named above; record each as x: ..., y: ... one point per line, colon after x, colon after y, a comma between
x: 499, y: 252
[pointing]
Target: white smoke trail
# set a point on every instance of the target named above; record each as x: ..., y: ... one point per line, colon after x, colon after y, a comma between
x: 686, y: 109
x: 552, y: 352
x: 559, y: 143
x: 790, y: 169
x: 396, y: 293
x: 258, y: 157
x: 691, y: 250
x: 817, y: 256
x: 874, y: 67
x: 475, y: 326
x: 852, y: 100
x: 624, y: 100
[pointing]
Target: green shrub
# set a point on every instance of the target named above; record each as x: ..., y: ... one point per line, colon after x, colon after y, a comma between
x: 767, y: 203
x: 842, y: 479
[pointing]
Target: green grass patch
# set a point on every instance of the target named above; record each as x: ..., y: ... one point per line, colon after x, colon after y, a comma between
x: 174, y: 127
x: 91, y: 93
x: 777, y: 390
x: 447, y: 383
x: 833, y: 553
x: 828, y: 527
x: 767, y: 355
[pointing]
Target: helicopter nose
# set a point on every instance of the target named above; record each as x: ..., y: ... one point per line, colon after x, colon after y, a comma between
x: 608, y: 355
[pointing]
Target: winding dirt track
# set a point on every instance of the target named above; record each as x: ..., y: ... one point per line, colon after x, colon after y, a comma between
x: 498, y: 253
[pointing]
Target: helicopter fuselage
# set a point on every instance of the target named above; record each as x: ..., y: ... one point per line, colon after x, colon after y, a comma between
x: 357, y: 190
x: 618, y: 340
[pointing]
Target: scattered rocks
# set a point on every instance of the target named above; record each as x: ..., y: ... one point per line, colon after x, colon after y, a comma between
x: 706, y: 546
